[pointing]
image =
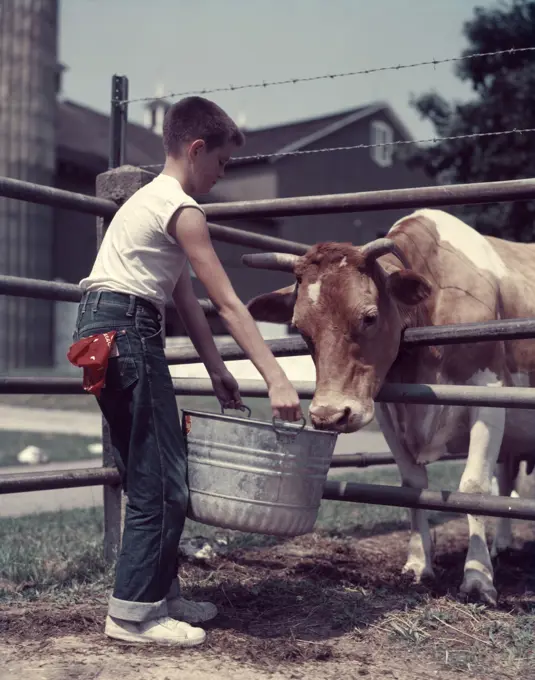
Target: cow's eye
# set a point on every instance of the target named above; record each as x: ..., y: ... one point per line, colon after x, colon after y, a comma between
x: 369, y: 319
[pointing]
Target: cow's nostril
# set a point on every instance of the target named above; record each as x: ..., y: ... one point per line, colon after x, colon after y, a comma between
x: 344, y: 416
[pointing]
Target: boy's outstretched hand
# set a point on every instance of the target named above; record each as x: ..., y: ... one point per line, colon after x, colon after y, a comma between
x: 226, y: 389
x: 285, y: 400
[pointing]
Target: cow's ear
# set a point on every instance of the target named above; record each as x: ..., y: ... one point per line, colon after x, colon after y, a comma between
x: 408, y: 287
x: 275, y: 307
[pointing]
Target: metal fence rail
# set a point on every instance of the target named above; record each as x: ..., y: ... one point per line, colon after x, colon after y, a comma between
x: 19, y: 286
x: 374, y: 494
x: 510, y: 329
x: 61, y: 479
x: 44, y: 481
x: 56, y: 198
x: 247, y: 238
x: 389, y: 199
x: 455, y: 395
x: 424, y: 499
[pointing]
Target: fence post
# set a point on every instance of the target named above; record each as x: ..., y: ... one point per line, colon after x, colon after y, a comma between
x: 114, y: 500
x: 118, y: 121
x: 117, y: 185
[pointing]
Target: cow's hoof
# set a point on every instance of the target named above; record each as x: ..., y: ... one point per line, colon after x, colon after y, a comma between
x: 419, y: 572
x: 477, y: 586
x: 501, y: 544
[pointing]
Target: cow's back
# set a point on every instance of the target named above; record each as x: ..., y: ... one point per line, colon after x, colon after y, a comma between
x: 476, y: 279
x: 465, y: 270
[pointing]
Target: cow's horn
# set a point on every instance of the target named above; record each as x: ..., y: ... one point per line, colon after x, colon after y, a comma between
x: 283, y: 262
x: 383, y: 246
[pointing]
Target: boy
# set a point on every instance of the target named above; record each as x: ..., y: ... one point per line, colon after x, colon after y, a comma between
x: 141, y: 264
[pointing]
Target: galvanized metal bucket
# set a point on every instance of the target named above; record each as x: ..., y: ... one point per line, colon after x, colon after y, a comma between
x: 255, y: 476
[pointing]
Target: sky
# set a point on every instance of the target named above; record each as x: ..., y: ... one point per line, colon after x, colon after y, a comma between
x: 185, y: 45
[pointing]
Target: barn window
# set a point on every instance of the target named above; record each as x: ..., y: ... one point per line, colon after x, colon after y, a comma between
x: 382, y: 133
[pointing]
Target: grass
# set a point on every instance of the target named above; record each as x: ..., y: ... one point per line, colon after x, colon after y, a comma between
x: 324, y: 596
x: 64, y: 549
x: 58, y: 447
x: 52, y: 553
x: 466, y: 637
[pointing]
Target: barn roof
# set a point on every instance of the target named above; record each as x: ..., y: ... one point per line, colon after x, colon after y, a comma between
x: 83, y: 136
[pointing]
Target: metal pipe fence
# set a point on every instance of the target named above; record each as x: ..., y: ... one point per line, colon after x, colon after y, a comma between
x: 393, y: 393
x: 58, y: 291
x: 509, y: 329
x: 56, y: 198
x: 105, y: 205
x: 44, y: 481
x: 389, y: 199
x: 424, y: 499
x: 61, y: 479
x: 373, y: 494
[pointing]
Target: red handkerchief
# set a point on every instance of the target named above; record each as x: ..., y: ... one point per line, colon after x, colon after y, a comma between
x: 92, y: 355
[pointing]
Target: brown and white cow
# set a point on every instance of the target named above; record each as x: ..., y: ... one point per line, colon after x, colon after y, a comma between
x: 352, y: 304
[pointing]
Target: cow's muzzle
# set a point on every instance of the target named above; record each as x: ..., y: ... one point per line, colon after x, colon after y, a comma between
x: 341, y: 415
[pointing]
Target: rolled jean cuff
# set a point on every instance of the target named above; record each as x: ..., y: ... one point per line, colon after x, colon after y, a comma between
x: 174, y: 590
x: 136, y: 611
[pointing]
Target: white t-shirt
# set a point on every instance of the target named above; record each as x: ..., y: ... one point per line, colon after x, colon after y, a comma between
x: 138, y: 256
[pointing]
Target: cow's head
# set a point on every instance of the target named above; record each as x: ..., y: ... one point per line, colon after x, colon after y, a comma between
x: 351, y: 312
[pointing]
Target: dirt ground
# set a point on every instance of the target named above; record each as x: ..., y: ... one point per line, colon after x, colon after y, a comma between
x: 308, y: 608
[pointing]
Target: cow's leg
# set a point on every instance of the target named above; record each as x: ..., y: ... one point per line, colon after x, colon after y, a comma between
x: 486, y: 434
x: 503, y: 538
x: 419, y: 559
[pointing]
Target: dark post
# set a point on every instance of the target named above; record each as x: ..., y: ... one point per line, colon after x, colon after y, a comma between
x: 117, y: 185
x: 118, y: 120
x: 113, y: 496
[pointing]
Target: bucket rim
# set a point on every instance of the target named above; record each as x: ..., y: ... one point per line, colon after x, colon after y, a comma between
x: 262, y: 423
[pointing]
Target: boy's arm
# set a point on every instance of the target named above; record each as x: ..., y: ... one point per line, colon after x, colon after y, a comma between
x: 198, y: 329
x: 194, y: 319
x: 188, y: 226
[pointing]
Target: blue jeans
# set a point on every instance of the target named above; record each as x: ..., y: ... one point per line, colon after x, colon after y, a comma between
x: 139, y: 404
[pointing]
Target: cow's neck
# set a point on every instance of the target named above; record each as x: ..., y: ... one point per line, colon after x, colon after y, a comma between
x: 415, y: 361
x: 415, y: 364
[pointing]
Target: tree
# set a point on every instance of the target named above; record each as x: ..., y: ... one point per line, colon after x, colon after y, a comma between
x: 504, y: 99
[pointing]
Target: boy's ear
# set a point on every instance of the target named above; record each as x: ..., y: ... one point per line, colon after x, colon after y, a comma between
x: 195, y: 147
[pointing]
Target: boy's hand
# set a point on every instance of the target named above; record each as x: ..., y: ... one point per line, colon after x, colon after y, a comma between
x: 285, y: 401
x: 226, y: 389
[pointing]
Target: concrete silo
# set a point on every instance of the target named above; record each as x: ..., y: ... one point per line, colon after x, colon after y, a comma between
x: 28, y: 75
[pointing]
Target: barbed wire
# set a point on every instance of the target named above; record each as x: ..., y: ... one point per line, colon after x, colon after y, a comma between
x: 329, y: 76
x: 400, y: 142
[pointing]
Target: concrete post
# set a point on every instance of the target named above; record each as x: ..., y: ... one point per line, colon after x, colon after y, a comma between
x: 117, y: 185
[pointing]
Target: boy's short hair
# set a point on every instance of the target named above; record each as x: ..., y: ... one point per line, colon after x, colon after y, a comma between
x: 198, y: 118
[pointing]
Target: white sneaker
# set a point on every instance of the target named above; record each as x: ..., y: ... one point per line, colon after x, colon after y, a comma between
x: 192, y: 612
x: 162, y: 631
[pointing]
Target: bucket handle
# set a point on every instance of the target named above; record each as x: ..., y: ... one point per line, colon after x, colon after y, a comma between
x: 280, y: 429
x: 243, y: 407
